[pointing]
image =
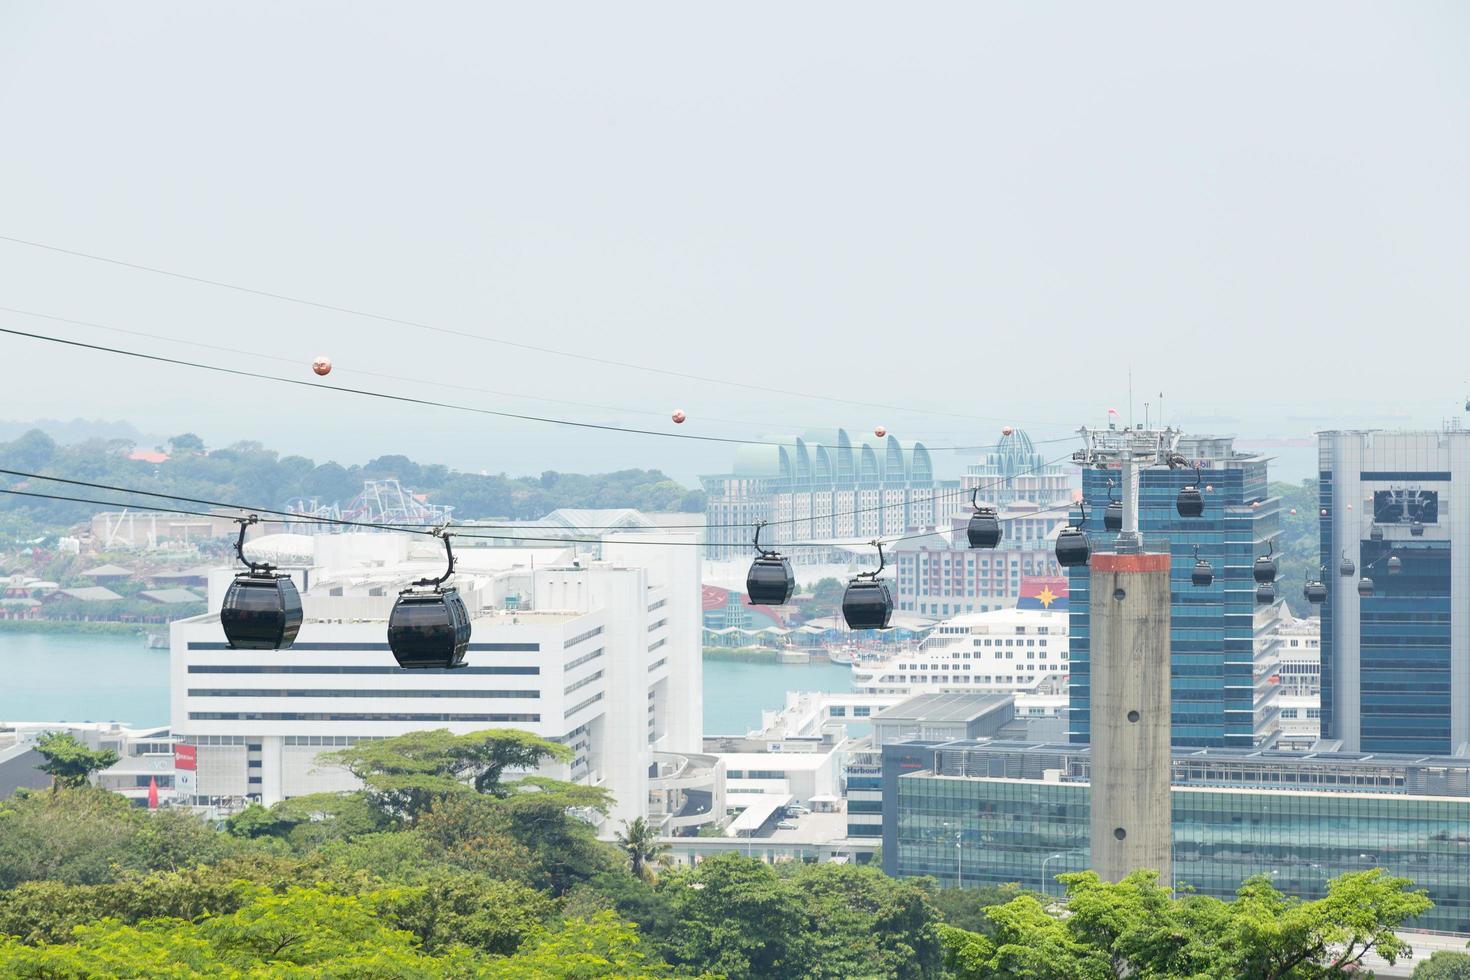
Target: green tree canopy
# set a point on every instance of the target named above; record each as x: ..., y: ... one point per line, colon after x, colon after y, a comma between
x: 69, y: 761
x: 1134, y: 928
x: 406, y: 774
x: 1444, y: 965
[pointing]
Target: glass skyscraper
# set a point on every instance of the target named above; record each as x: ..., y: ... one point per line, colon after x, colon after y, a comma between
x: 1221, y: 689
x: 1396, y: 661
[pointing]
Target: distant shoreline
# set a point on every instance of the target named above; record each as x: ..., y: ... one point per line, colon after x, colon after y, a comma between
x: 76, y: 627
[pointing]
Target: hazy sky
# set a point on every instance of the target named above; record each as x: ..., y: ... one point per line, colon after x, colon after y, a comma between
x: 986, y: 210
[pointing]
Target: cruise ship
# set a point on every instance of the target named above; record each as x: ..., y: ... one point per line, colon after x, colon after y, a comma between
x: 1021, y: 650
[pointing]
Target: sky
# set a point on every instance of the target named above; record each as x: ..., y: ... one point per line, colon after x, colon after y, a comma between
x: 936, y: 219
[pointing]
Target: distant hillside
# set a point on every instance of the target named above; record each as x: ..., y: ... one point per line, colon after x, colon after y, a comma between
x: 247, y: 473
x: 79, y: 430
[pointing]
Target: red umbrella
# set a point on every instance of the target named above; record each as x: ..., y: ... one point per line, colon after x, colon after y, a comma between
x: 152, y: 793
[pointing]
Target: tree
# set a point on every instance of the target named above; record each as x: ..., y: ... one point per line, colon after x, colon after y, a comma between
x: 74, y: 836
x: 188, y: 442
x: 584, y: 949
x: 640, y: 842
x: 1444, y: 965
x: 860, y: 922
x: 964, y: 908
x: 449, y: 909
x: 302, y: 932
x: 406, y: 774
x: 735, y: 917
x: 1133, y: 928
x: 69, y: 761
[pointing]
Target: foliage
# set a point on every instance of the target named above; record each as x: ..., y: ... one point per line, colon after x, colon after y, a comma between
x: 1134, y: 928
x: 1444, y: 965
x: 964, y: 908
x: 406, y: 774
x: 69, y: 761
x: 303, y: 932
x: 73, y: 837
x: 640, y: 842
x: 860, y: 922
x: 583, y: 949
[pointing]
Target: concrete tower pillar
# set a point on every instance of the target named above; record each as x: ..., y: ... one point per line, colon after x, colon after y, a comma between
x: 1129, y: 665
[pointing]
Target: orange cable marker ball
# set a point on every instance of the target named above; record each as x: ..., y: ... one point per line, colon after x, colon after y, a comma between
x: 1007, y: 431
x: 880, y: 432
x: 322, y: 366
x: 679, y: 416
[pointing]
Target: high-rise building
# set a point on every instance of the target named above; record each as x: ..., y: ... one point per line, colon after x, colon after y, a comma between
x: 1396, y: 661
x: 1221, y: 642
x: 824, y: 486
x: 602, y: 656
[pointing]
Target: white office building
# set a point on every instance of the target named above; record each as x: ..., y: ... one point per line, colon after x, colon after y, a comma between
x: 602, y: 656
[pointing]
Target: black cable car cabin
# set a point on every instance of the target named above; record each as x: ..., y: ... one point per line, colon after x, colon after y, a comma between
x: 770, y: 581
x: 429, y: 629
x: 1073, y: 550
x: 1376, y: 533
x: 262, y: 610
x: 1190, y: 502
x: 429, y: 626
x: 1394, y: 565
x: 1264, y: 568
x: 1347, y: 568
x: 1315, y: 593
x: 1417, y: 529
x: 1365, y: 587
x: 1265, y: 593
x: 1203, y: 574
x: 867, y: 604
x: 984, y: 527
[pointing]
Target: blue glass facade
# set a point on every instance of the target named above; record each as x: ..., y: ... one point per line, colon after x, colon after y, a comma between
x: 1212, y: 633
x: 1028, y: 831
x: 1404, y: 649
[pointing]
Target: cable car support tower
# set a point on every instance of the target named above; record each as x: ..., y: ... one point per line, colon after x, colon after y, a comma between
x: 1129, y: 603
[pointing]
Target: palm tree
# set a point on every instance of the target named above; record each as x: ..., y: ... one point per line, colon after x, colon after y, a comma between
x: 641, y: 843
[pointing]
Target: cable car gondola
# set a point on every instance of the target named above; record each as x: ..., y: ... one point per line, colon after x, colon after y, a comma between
x: 1190, y: 502
x: 1203, y: 573
x: 1264, y: 569
x: 1376, y: 534
x: 1314, y: 591
x: 867, y: 604
x: 262, y: 610
x: 770, y: 581
x: 1113, y: 513
x: 1347, y: 568
x: 984, y: 528
x: 1417, y: 529
x: 1365, y: 587
x: 1394, y: 565
x: 1073, y: 548
x: 1265, y: 593
x: 429, y: 626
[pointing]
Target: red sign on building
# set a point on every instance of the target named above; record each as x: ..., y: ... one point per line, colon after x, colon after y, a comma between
x: 186, y: 757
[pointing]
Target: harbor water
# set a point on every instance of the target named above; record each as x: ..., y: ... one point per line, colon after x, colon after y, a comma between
x: 102, y: 677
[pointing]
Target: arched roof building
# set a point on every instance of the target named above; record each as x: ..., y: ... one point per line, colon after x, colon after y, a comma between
x: 823, y: 485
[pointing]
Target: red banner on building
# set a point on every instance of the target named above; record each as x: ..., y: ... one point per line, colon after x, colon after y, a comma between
x: 186, y: 757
